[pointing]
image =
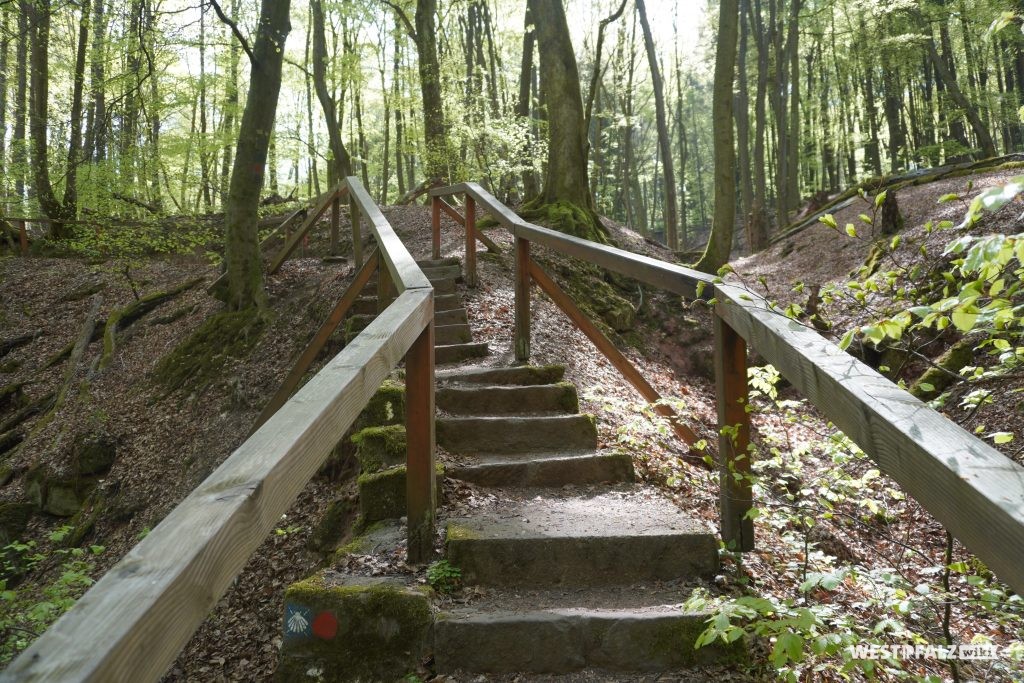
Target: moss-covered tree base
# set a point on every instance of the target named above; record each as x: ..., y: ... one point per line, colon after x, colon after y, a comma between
x: 566, y: 217
x: 360, y: 630
x: 198, y: 361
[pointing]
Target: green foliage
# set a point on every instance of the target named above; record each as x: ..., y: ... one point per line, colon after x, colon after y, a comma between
x: 444, y: 577
x: 28, y: 609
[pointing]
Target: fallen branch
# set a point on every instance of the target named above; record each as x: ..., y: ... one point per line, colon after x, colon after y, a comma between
x: 121, y: 319
x: 8, y: 345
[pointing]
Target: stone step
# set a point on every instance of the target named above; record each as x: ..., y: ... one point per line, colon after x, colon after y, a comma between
x: 622, y: 536
x: 444, y: 286
x: 564, y: 638
x: 456, y: 316
x: 447, y: 302
x: 546, y: 469
x: 452, y: 334
x: 443, y: 272
x: 517, y: 375
x: 508, y: 400
x: 542, y: 434
x: 454, y: 353
x: 364, y: 305
x: 440, y: 263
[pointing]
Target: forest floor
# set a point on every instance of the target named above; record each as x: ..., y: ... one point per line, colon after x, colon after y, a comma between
x: 167, y: 443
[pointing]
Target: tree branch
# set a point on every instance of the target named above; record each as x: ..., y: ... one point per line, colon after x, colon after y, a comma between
x: 234, y: 29
x: 404, y: 17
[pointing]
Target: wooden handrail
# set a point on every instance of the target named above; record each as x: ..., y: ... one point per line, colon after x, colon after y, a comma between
x: 975, y: 491
x: 971, y: 488
x: 131, y: 625
x: 318, y: 210
x: 669, y: 276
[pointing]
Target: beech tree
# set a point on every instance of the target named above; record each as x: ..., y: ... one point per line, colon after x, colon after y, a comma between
x: 242, y: 250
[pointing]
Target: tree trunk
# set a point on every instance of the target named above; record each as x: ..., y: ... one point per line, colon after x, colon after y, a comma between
x: 566, y: 183
x: 531, y: 186
x: 757, y: 221
x: 19, y: 150
x: 75, y: 123
x: 39, y: 96
x: 96, y: 126
x: 242, y: 251
x: 716, y: 254
x: 341, y: 166
x: 988, y: 147
x: 437, y: 156
x: 230, y: 107
x: 743, y: 129
x: 664, y: 141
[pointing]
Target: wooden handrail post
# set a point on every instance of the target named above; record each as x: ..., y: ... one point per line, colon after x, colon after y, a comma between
x: 734, y: 436
x: 335, y: 222
x: 435, y: 227
x: 421, y: 496
x: 470, y: 241
x: 522, y: 332
x: 357, y: 233
x: 23, y: 238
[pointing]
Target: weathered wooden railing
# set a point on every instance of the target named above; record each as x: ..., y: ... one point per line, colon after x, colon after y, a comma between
x: 975, y: 491
x: 132, y: 623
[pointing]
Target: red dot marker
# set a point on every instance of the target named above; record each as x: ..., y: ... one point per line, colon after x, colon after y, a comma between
x: 325, y: 626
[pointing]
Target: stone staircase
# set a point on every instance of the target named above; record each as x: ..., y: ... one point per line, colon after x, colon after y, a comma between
x: 574, y: 566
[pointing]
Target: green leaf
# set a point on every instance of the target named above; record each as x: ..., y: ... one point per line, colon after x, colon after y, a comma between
x: 880, y: 198
x: 829, y: 220
x: 951, y: 197
x: 850, y: 230
x: 964, y: 320
x: 1002, y: 437
x: 847, y: 339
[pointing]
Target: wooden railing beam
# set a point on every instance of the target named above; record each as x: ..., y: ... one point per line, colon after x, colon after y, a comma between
x: 335, y: 223
x: 460, y: 219
x: 435, y: 227
x: 311, y: 218
x: 614, y: 356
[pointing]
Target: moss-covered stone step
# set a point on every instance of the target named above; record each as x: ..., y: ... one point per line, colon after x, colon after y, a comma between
x: 455, y: 353
x: 436, y: 273
x: 452, y: 334
x: 516, y: 375
x: 364, y: 305
x: 382, y: 494
x: 564, y: 640
x: 620, y: 536
x: 542, y: 434
x: 440, y: 263
x: 378, y: 448
x: 443, y: 286
x: 546, y: 469
x: 508, y: 400
x: 447, y: 302
x: 356, y: 629
x: 456, y: 316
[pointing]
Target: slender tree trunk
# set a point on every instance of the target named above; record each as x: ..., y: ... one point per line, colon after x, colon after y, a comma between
x: 671, y: 209
x: 757, y: 221
x: 719, y: 246
x: 230, y: 107
x: 988, y: 148
x: 242, y: 251
x: 793, y: 81
x: 531, y: 185
x: 96, y: 126
x: 311, y: 147
x: 743, y: 130
x: 19, y: 149
x: 342, y: 161
x: 438, y: 154
x: 75, y: 141
x: 39, y: 15
x: 5, y: 43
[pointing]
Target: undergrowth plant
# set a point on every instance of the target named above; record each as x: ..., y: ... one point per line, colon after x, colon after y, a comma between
x: 28, y: 609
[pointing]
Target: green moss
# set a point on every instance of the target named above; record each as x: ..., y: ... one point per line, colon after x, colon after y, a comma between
x: 383, y: 629
x: 333, y: 525
x: 569, y: 400
x: 935, y: 379
x: 457, y: 532
x: 387, y: 407
x: 380, y: 447
x: 382, y: 494
x: 599, y: 299
x: 568, y: 218
x: 199, y: 360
